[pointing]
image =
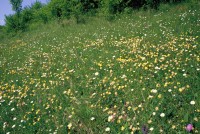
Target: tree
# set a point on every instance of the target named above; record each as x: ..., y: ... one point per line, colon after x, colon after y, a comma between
x: 16, y: 5
x: 15, y: 22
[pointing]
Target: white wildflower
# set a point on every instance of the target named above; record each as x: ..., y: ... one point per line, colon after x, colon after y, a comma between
x: 96, y: 74
x: 107, y: 129
x: 192, y: 102
x: 92, y: 118
x: 162, y: 115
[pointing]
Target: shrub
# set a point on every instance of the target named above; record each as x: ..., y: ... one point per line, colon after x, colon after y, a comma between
x: 14, y: 23
x: 59, y: 8
x: 2, y: 32
x: 27, y: 15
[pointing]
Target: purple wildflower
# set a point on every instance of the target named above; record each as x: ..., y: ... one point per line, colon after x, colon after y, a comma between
x: 189, y: 127
x: 145, y: 129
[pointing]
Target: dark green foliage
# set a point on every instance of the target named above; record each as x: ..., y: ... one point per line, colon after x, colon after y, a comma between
x: 17, y: 22
x: 111, y: 6
x: 37, y: 5
x: 40, y: 12
x: 30, y: 14
x: 16, y: 5
x: 77, y: 9
x: 153, y: 3
x: 59, y: 8
x: 171, y: 1
x: 89, y: 5
x: 1, y: 28
x: 117, y: 6
x: 72, y: 8
x: 43, y: 17
x: 2, y: 32
x: 27, y: 15
x: 13, y: 23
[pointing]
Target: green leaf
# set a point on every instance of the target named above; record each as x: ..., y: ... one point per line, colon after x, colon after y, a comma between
x: 186, y: 117
x: 197, y: 124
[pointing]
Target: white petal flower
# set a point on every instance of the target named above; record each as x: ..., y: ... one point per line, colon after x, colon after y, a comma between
x: 151, y: 129
x: 192, y: 102
x: 162, y: 115
x: 110, y: 118
x: 96, y: 74
x: 13, y: 126
x: 107, y: 129
x: 69, y: 125
x: 92, y: 118
x: 169, y: 90
x: 157, y: 68
x: 154, y: 91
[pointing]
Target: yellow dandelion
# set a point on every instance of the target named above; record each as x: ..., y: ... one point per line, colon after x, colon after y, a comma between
x: 160, y: 96
x: 122, y: 128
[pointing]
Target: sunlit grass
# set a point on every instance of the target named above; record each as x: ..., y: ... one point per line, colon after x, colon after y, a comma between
x: 138, y: 73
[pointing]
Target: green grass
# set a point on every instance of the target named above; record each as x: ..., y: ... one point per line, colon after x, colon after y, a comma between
x: 101, y: 75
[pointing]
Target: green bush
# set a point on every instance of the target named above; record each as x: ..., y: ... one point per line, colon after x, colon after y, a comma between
x: 27, y: 15
x: 111, y: 6
x: 77, y: 9
x: 2, y: 32
x: 14, y: 23
x: 40, y: 12
x: 90, y: 6
x: 35, y: 13
x: 59, y: 8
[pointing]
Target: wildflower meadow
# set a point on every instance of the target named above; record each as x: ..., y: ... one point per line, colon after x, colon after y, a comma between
x: 138, y: 74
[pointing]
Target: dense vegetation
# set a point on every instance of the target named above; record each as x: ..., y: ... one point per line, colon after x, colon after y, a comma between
x: 137, y: 74
x: 26, y: 19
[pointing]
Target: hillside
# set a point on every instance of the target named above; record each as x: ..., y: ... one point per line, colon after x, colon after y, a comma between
x: 139, y: 73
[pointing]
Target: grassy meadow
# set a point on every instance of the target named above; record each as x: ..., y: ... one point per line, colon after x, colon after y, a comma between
x: 137, y: 74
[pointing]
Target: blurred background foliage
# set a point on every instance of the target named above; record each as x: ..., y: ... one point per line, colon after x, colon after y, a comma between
x: 32, y: 16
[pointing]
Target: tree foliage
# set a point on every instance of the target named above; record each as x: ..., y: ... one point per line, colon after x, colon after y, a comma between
x: 59, y: 9
x: 16, y: 5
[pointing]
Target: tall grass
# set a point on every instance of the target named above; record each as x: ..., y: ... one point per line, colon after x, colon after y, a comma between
x: 137, y: 74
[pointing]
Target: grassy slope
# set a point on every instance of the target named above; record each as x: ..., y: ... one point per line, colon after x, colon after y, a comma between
x: 123, y: 74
